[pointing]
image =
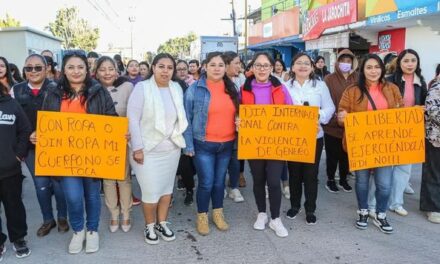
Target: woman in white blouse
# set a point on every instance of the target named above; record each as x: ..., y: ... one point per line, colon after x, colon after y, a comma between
x: 306, y: 89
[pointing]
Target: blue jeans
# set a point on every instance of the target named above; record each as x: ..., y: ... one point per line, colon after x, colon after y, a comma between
x: 382, y: 179
x: 80, y: 191
x: 211, y: 161
x: 45, y: 187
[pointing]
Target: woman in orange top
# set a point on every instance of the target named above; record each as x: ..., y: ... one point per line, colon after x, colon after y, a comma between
x: 372, y: 92
x: 211, y: 105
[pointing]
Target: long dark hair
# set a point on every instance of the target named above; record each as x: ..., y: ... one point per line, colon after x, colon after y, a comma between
x: 399, y: 73
x: 16, y: 74
x: 52, y: 65
x: 121, y: 66
x: 282, y: 63
x: 272, y: 79
x: 229, y: 56
x: 362, y: 82
x: 8, y: 76
x: 64, y: 84
x: 229, y: 85
x: 312, y: 75
x: 156, y: 60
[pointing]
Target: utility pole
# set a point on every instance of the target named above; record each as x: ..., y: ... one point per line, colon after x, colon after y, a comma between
x: 245, y: 28
x: 132, y: 19
x: 232, y: 17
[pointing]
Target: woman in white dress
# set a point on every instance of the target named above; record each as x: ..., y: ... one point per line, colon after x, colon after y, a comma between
x: 157, y: 120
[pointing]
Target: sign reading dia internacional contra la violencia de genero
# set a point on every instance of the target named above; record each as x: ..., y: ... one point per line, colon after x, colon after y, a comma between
x: 70, y: 144
x: 278, y: 132
x: 385, y: 137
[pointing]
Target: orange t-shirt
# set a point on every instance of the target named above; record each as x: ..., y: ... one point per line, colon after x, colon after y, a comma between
x: 220, y: 126
x: 73, y: 106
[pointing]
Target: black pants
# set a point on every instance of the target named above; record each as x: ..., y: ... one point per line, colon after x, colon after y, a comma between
x: 335, y: 154
x: 187, y: 170
x: 241, y: 166
x: 10, y: 196
x: 306, y: 173
x: 267, y: 171
x: 430, y: 187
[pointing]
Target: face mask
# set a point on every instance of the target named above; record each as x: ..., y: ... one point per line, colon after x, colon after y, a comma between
x: 344, y: 67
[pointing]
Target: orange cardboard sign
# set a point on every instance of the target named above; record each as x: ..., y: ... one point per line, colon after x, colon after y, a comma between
x: 385, y: 137
x: 82, y: 145
x: 278, y: 132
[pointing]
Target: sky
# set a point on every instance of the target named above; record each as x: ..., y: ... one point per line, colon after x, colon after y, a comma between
x: 156, y: 21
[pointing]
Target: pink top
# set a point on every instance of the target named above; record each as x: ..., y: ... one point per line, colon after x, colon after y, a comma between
x: 408, y: 97
x: 379, y: 99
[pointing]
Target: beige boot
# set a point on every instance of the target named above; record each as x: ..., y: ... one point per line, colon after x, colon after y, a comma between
x: 202, y: 224
x: 219, y: 219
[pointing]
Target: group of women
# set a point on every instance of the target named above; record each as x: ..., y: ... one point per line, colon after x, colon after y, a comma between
x: 187, y: 124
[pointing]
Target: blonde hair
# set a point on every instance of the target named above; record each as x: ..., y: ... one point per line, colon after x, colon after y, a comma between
x: 391, y: 66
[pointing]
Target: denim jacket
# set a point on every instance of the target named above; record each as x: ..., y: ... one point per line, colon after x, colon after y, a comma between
x: 196, y: 102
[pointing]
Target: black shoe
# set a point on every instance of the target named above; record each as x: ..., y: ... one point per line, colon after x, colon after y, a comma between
x: 21, y: 249
x: 188, y: 198
x: 331, y: 187
x: 180, y: 185
x: 2, y: 251
x: 150, y: 235
x: 381, y: 222
x: 345, y: 186
x: 362, y: 222
x: 310, y: 219
x: 291, y: 213
x: 164, y: 231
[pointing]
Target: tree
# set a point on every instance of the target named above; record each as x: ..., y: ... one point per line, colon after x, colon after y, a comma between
x: 9, y: 21
x: 178, y: 47
x: 149, y: 56
x: 75, y: 32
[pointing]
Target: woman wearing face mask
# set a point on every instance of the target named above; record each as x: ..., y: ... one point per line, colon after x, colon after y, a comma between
x: 412, y: 86
x: 133, y: 72
x: 117, y: 194
x: 6, y: 80
x: 345, y: 75
x: 372, y: 92
x: 306, y: 89
x: 77, y: 92
x: 320, y: 68
x: 262, y: 88
x: 211, y: 105
x: 157, y: 122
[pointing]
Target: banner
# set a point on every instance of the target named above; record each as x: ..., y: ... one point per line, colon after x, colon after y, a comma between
x: 338, y: 13
x: 385, y: 137
x: 84, y: 145
x: 278, y: 132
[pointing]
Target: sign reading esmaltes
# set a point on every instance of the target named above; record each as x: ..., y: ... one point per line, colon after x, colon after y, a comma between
x: 82, y: 145
x: 385, y: 138
x: 278, y: 132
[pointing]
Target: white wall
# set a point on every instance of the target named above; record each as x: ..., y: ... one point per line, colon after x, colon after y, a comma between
x: 38, y: 43
x: 13, y: 48
x: 426, y: 43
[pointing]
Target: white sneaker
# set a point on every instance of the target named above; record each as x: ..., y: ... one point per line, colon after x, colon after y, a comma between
x: 235, y: 195
x: 267, y: 192
x: 277, y: 226
x: 261, y: 222
x: 434, y: 217
x: 76, y: 244
x: 400, y: 211
x: 372, y: 213
x: 409, y: 189
x: 92, y: 241
x: 286, y: 192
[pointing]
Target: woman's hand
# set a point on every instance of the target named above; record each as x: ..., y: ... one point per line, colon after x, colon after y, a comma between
x: 341, y: 116
x: 237, y: 123
x: 190, y: 153
x: 128, y: 136
x: 138, y: 156
x: 33, y: 138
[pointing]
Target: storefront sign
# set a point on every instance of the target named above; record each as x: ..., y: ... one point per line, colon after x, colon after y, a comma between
x: 406, y: 9
x: 278, y: 132
x: 385, y: 138
x: 335, y: 41
x: 338, y: 13
x: 390, y: 41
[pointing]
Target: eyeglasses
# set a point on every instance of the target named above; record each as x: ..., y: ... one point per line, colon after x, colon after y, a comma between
x: 181, y: 69
x: 303, y: 63
x: 262, y: 66
x: 36, y: 68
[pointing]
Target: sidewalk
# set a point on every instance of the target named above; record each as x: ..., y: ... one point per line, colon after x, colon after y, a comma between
x: 334, y: 239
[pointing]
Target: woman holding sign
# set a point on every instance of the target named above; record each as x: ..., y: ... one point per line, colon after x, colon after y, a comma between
x: 372, y: 92
x: 157, y: 121
x: 211, y: 105
x: 117, y: 193
x: 306, y: 89
x: 77, y: 92
x: 262, y: 88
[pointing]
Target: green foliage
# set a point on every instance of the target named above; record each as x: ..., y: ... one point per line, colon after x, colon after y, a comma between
x: 9, y: 21
x: 149, y: 56
x: 178, y: 47
x: 75, y: 32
